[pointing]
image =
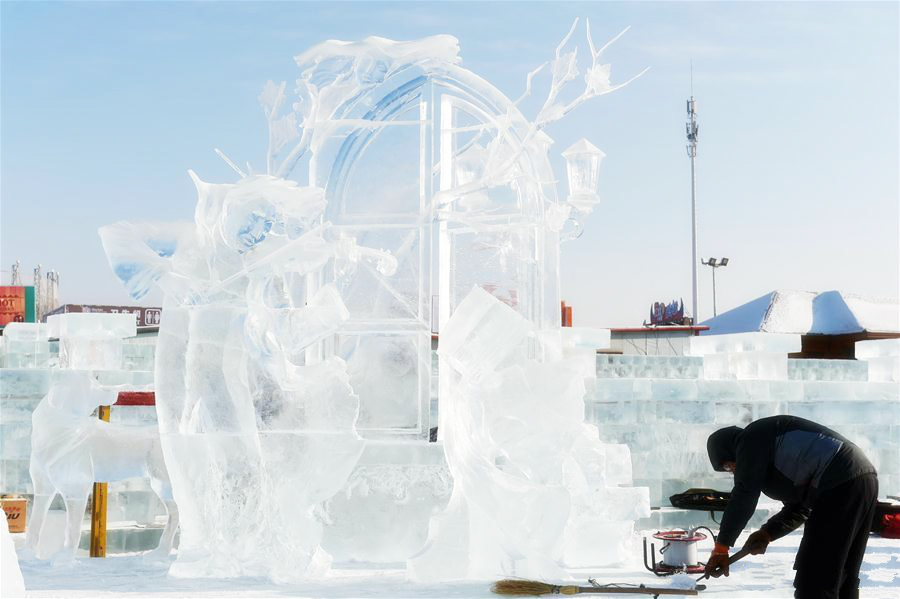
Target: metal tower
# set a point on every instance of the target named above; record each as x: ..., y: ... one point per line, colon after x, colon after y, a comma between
x: 51, y: 293
x: 38, y: 293
x: 16, y: 276
x: 693, y: 135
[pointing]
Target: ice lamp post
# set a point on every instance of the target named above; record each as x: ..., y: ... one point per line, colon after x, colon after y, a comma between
x: 583, y: 170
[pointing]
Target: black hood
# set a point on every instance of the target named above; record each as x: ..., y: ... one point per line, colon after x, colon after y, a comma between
x: 722, y: 446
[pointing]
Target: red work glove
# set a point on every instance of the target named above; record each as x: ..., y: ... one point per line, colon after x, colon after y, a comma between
x: 758, y: 542
x: 717, y: 564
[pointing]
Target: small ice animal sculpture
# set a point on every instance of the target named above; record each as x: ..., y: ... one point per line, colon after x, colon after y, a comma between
x: 71, y: 449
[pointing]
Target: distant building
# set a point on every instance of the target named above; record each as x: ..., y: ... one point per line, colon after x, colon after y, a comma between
x: 652, y: 341
x: 148, y: 318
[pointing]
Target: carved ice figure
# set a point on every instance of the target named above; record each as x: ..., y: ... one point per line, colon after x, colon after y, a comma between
x: 71, y: 449
x: 534, y: 488
x: 258, y: 424
x: 532, y: 483
x: 291, y: 309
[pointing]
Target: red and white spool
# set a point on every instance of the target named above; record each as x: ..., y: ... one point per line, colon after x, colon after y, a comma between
x: 679, y: 547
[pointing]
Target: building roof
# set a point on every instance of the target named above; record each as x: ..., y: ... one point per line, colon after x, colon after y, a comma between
x: 809, y: 312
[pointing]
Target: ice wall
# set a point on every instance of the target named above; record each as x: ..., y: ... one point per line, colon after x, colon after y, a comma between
x: 27, y: 345
x: 882, y: 357
x: 665, y: 407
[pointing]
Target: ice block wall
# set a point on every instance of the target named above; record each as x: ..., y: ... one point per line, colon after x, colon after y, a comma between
x: 24, y: 380
x: 28, y: 345
x: 882, y: 356
x: 665, y: 407
x: 29, y: 362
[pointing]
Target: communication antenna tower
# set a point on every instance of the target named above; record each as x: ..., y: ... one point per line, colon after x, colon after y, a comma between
x: 52, y: 294
x: 38, y: 293
x: 16, y: 276
x: 693, y: 135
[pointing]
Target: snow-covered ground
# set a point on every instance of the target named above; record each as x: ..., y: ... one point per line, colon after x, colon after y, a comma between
x: 759, y: 577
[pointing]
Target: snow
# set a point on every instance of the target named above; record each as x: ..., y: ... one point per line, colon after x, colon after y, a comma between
x: 874, y: 314
x: 829, y: 312
x: 767, y: 576
x: 11, y: 583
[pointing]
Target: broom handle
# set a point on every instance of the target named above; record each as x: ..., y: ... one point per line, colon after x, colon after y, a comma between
x: 637, y: 591
x: 739, y: 555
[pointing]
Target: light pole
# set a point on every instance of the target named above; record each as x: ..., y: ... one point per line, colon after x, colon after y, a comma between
x: 714, y: 264
x: 693, y: 136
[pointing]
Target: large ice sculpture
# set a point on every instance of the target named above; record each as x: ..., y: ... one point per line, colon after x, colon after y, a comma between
x: 257, y: 422
x: 296, y: 315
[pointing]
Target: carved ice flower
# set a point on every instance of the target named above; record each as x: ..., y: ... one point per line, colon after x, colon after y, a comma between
x: 597, y: 79
x: 565, y: 68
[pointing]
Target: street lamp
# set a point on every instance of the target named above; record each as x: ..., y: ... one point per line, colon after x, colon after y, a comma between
x: 714, y: 264
x: 583, y: 169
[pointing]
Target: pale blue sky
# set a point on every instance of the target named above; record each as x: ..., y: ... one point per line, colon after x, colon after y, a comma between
x: 104, y: 107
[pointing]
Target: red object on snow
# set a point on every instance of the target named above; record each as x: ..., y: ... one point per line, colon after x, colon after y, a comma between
x: 890, y: 526
x: 136, y: 398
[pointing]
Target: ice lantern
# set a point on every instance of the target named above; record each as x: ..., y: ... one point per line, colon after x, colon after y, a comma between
x: 583, y: 170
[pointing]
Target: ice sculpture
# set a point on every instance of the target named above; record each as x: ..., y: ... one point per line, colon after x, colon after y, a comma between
x: 533, y: 486
x: 71, y: 449
x: 297, y: 316
x: 257, y: 422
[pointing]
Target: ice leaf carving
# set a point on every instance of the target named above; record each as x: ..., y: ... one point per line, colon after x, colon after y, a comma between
x: 597, y: 79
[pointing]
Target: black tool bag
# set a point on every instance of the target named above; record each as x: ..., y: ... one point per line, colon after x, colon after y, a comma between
x: 708, y: 500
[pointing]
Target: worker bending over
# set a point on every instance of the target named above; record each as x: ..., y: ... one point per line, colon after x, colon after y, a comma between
x: 822, y: 478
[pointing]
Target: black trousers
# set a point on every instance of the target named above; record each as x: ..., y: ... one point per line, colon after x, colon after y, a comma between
x: 834, y: 540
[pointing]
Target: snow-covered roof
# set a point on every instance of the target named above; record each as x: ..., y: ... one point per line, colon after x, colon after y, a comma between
x: 826, y: 313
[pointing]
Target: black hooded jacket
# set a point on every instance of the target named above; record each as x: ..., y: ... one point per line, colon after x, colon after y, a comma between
x: 787, y: 458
